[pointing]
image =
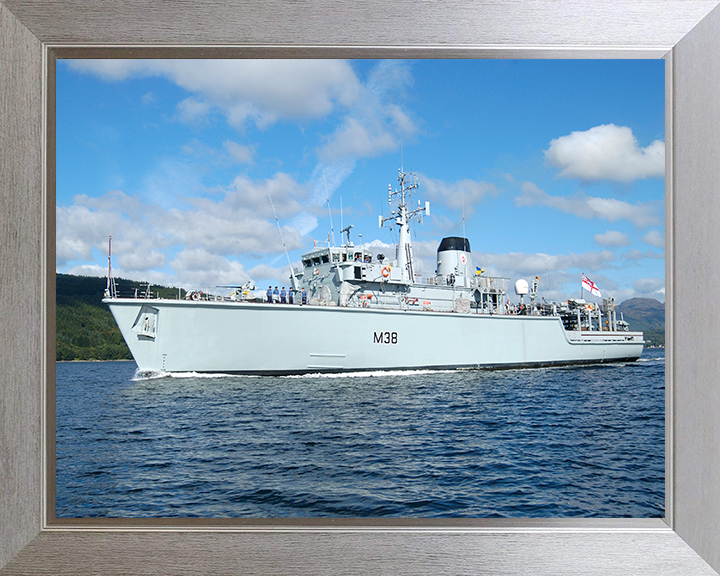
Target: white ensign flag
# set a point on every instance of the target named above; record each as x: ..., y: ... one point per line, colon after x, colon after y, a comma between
x: 588, y: 284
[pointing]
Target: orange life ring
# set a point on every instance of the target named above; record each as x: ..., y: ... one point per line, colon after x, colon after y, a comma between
x: 386, y: 272
x: 195, y: 296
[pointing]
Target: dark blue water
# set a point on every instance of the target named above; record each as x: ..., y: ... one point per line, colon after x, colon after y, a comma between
x: 556, y: 442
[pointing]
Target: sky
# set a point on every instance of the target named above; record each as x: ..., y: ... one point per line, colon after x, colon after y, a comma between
x: 206, y: 171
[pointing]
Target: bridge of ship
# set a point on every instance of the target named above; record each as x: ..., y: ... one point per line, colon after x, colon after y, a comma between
x: 381, y: 284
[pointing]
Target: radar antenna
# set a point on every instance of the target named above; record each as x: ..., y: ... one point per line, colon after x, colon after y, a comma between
x: 402, y: 218
x: 346, y: 231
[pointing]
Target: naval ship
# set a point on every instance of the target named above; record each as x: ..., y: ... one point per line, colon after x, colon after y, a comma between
x: 355, y: 310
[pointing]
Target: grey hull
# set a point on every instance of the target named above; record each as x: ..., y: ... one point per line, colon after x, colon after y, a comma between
x: 258, y: 338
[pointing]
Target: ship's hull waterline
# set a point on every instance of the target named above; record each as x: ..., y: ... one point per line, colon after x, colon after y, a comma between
x: 261, y: 338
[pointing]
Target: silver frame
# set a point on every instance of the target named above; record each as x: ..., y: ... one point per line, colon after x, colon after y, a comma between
x: 33, y: 542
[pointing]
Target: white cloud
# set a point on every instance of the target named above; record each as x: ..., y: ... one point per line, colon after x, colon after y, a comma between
x: 201, y: 269
x: 559, y: 274
x: 390, y: 76
x: 205, y: 233
x: 86, y: 224
x: 109, y: 70
x: 280, y: 192
x: 171, y: 181
x: 239, y: 153
x: 304, y: 223
x: 375, y: 123
x: 192, y: 111
x: 402, y: 122
x: 88, y: 270
x: 654, y: 238
x: 356, y: 138
x: 326, y: 178
x: 641, y: 215
x: 612, y: 238
x: 636, y: 255
x: 264, y: 91
x: 264, y: 275
x: 650, y: 288
x: 606, y: 152
x: 457, y: 195
x: 142, y: 261
x: 203, y: 156
x: 260, y: 90
x: 518, y: 264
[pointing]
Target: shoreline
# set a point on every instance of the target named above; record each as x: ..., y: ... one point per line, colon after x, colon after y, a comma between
x: 92, y: 360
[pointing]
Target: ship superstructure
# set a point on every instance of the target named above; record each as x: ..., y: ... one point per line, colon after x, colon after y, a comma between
x: 354, y: 276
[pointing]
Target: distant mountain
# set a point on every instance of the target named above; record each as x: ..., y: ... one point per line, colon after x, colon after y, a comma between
x: 646, y: 315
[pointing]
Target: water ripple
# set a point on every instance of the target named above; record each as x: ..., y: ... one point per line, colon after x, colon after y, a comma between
x: 548, y: 442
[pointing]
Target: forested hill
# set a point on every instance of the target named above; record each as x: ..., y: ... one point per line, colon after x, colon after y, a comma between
x: 646, y: 315
x: 85, y: 328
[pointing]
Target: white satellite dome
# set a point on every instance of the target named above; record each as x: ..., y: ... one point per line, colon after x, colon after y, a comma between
x: 521, y: 287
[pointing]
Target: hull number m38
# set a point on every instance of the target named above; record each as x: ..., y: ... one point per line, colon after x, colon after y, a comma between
x: 385, y: 337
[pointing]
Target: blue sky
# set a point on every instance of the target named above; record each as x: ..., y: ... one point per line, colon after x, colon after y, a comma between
x: 556, y: 165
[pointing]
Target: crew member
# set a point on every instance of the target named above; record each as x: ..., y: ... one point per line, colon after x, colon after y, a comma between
x: 283, y: 296
x: 304, y: 296
x: 276, y: 295
x: 290, y: 296
x: 269, y: 294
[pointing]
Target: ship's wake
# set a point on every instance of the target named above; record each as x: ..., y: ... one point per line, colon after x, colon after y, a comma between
x: 148, y: 375
x: 141, y: 375
x: 370, y: 373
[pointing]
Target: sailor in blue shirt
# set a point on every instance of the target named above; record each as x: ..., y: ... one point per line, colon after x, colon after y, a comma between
x: 269, y: 294
x: 290, y: 296
x: 276, y: 295
x: 283, y: 296
x: 304, y: 296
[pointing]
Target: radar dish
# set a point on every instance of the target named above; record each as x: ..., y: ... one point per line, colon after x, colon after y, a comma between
x: 521, y: 287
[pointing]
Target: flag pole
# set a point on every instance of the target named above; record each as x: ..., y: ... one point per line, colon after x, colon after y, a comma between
x: 581, y: 286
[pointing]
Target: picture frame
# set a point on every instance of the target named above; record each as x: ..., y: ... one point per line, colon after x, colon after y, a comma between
x: 685, y: 32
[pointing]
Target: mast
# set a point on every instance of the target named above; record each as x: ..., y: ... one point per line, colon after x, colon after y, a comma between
x: 109, y: 261
x: 327, y: 194
x: 108, y: 292
x: 402, y: 218
x: 292, y: 272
